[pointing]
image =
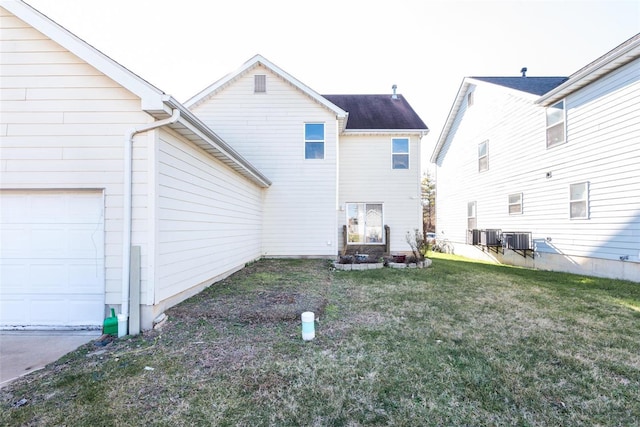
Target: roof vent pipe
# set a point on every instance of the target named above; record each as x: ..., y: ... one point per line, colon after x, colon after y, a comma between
x: 394, y: 96
x: 524, y: 71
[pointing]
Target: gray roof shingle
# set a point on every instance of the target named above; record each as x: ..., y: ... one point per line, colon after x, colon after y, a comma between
x: 375, y: 112
x: 533, y: 85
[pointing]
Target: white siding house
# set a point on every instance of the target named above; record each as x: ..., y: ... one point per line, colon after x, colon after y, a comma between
x: 95, y: 160
x: 113, y: 195
x: 556, y: 158
x: 263, y: 112
x: 267, y: 127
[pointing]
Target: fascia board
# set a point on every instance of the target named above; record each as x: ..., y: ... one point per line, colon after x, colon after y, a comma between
x: 195, y: 125
x: 151, y: 97
x: 589, y: 74
x: 420, y: 132
x: 453, y: 112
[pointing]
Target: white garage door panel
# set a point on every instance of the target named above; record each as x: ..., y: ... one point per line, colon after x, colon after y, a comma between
x: 52, y: 259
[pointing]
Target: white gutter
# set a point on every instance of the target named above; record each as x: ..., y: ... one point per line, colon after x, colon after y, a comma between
x: 128, y: 171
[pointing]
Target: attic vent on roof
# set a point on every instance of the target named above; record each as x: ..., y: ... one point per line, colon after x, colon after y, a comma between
x: 524, y: 71
x: 260, y: 83
x: 394, y: 96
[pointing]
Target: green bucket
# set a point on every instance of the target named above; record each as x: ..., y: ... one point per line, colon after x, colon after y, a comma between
x: 110, y: 325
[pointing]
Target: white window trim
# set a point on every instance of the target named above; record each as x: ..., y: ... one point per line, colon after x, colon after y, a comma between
x: 515, y: 204
x: 585, y: 200
x: 383, y: 242
x: 324, y: 143
x: 564, y: 125
x: 408, y: 154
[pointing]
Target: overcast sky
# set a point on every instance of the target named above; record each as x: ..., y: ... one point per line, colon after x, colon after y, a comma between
x: 350, y: 46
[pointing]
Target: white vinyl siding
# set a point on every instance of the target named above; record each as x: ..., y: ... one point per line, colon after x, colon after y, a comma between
x: 603, y: 127
x: 63, y: 126
x: 209, y: 219
x: 300, y: 206
x: 365, y: 176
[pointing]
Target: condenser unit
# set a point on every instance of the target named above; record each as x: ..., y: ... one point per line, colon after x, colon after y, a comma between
x: 473, y: 237
x: 490, y: 237
x: 518, y: 242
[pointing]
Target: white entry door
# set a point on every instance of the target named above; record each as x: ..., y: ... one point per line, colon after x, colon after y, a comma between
x: 51, y: 259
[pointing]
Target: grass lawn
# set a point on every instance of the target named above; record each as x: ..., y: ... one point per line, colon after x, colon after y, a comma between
x: 460, y: 343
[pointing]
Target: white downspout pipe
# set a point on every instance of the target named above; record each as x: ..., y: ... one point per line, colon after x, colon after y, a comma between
x: 128, y: 195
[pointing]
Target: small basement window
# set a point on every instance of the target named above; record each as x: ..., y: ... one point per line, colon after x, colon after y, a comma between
x: 515, y: 204
x: 579, y: 200
x: 260, y: 83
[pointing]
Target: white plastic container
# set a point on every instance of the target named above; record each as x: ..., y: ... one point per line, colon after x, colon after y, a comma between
x: 308, y: 326
x: 122, y: 325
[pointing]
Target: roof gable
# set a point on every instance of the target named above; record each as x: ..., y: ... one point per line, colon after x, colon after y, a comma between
x: 211, y: 90
x: 378, y: 112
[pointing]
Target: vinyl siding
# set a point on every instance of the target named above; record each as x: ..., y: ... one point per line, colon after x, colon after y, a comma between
x: 366, y: 175
x: 63, y: 126
x: 268, y: 130
x: 209, y: 218
x: 603, y: 130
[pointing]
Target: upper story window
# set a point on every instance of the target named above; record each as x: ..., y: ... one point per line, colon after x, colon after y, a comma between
x: 364, y: 223
x: 579, y: 200
x: 400, y: 153
x: 314, y: 140
x: 483, y: 156
x: 556, y: 124
x: 515, y: 204
x: 259, y: 83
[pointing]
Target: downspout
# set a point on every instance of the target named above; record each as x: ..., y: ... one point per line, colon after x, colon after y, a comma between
x: 126, y: 232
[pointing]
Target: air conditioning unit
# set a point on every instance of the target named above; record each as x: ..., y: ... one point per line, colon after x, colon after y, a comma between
x: 517, y: 241
x: 473, y: 237
x: 490, y: 237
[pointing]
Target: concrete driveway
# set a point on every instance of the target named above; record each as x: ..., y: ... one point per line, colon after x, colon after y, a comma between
x: 22, y: 352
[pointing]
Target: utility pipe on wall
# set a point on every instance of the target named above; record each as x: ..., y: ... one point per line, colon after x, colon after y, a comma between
x: 128, y: 196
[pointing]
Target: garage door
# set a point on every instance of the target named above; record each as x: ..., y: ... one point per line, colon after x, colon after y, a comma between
x: 51, y: 259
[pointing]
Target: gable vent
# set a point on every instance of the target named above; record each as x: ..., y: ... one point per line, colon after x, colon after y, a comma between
x: 260, y: 83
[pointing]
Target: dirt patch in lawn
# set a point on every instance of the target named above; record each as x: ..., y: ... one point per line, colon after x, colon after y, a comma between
x: 264, y: 306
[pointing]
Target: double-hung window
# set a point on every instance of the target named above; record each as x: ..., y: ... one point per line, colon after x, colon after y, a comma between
x: 314, y: 141
x: 364, y: 223
x: 483, y: 156
x: 579, y: 200
x: 400, y: 153
x: 556, y: 124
